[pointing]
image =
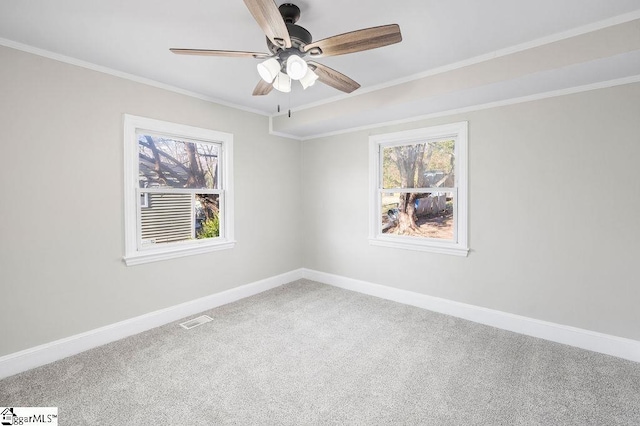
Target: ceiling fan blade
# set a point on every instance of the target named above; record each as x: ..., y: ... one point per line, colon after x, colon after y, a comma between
x: 267, y: 15
x: 262, y: 88
x: 333, y: 78
x: 355, y: 41
x: 229, y: 53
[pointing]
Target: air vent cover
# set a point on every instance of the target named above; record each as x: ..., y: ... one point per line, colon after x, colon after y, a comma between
x: 196, y: 322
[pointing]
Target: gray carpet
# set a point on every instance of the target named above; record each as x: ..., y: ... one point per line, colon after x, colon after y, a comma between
x: 307, y: 353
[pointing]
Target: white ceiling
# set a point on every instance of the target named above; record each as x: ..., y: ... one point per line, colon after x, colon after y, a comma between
x: 134, y: 37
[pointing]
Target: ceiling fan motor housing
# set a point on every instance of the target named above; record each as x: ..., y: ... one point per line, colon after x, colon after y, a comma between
x: 299, y: 35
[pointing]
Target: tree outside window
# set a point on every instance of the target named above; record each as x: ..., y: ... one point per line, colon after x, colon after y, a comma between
x: 427, y: 165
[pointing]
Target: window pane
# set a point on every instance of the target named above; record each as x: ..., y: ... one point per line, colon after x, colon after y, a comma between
x: 169, y: 218
x: 422, y: 165
x: 167, y: 162
x: 428, y: 215
x: 207, y: 214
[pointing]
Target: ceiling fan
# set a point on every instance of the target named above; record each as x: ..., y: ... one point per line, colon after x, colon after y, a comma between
x: 289, y: 43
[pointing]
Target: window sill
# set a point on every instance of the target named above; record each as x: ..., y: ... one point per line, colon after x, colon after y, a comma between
x: 147, y: 256
x: 420, y: 245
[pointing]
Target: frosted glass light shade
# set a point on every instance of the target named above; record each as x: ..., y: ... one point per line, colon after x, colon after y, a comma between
x: 282, y: 83
x: 309, y: 79
x: 296, y: 67
x: 269, y: 69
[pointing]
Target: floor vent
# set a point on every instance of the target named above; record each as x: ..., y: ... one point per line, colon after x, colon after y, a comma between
x: 196, y: 322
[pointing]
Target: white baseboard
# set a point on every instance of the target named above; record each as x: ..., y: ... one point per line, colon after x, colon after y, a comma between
x: 585, y: 339
x: 44, y: 354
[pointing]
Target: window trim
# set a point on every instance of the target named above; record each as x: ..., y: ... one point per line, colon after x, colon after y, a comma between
x: 135, y: 255
x: 457, y: 131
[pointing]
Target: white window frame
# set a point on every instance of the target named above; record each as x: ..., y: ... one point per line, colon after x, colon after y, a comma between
x: 134, y: 253
x: 459, y: 133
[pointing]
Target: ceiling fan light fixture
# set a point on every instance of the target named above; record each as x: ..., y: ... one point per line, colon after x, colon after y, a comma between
x: 309, y: 79
x: 269, y: 69
x: 296, y: 67
x: 282, y: 83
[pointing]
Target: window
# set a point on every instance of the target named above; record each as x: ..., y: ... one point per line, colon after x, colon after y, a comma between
x: 178, y: 190
x: 418, y: 198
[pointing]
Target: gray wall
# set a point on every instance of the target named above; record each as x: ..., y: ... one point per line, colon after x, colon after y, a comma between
x: 61, y: 209
x: 554, y: 196
x: 562, y: 246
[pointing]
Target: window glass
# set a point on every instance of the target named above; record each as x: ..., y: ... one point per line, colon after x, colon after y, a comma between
x: 433, y: 214
x: 420, y: 165
x: 170, y: 217
x: 167, y: 162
